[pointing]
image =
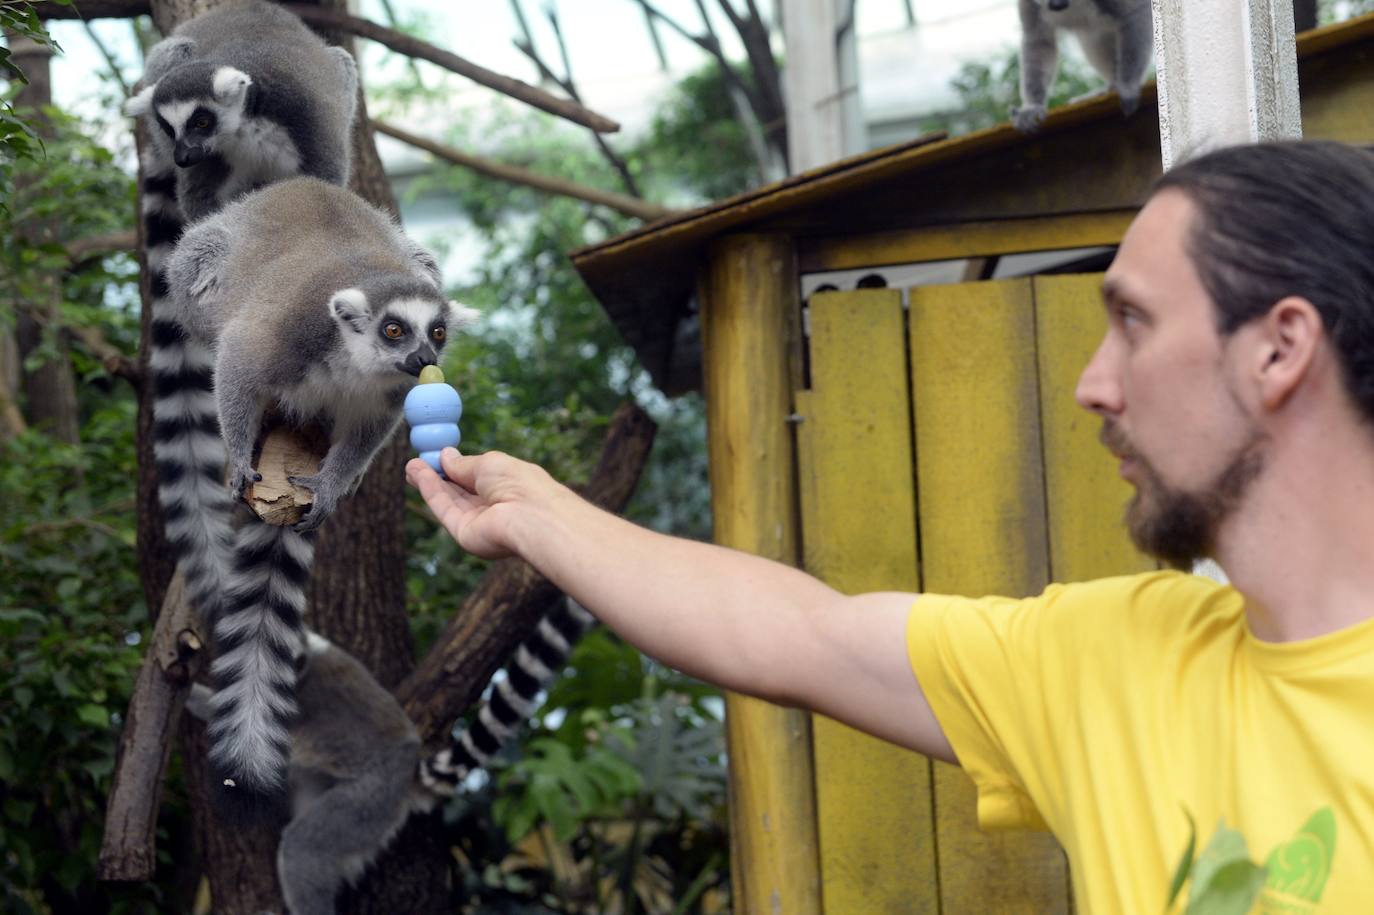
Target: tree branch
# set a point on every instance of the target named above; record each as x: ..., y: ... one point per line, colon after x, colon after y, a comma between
x: 630, y: 206
x: 391, y: 38
x: 566, y: 83
x: 80, y: 249
x: 414, y: 47
x: 512, y: 596
x: 110, y: 62
x: 170, y: 664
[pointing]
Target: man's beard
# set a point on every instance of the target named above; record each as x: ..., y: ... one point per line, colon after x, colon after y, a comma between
x: 1175, y: 525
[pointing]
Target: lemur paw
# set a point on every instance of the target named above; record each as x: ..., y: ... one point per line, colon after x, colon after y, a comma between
x: 241, y: 479
x: 326, y: 500
x: 1130, y: 101
x: 1028, y: 118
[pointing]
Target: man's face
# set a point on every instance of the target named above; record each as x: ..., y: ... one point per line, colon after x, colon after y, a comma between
x: 1165, y: 383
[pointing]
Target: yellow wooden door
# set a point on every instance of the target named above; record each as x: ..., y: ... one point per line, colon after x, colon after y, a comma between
x: 939, y: 448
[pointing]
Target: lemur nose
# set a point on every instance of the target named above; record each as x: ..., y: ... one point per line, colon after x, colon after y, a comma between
x: 185, y: 154
x: 418, y: 360
x: 1058, y: 5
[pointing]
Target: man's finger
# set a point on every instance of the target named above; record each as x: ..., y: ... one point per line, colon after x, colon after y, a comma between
x: 460, y: 468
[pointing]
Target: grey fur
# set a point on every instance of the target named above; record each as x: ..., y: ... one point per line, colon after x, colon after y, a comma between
x: 290, y: 287
x: 1116, y: 37
x: 352, y: 776
x: 288, y: 111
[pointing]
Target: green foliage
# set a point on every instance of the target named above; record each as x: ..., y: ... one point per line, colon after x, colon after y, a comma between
x: 18, y: 140
x: 73, y: 610
x: 69, y: 634
x: 549, y: 781
x: 696, y: 149
x: 989, y: 90
x: 1329, y: 11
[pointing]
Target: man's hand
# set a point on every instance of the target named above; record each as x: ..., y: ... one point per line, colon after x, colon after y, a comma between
x: 479, y: 501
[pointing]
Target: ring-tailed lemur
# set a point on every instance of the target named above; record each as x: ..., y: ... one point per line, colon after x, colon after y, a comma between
x: 243, y: 96
x: 1116, y: 37
x: 356, y: 772
x: 238, y: 97
x: 311, y: 302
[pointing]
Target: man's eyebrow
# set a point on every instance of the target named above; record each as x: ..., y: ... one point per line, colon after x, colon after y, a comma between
x: 1111, y: 292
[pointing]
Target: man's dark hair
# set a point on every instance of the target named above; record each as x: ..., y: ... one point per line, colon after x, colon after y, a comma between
x: 1291, y: 218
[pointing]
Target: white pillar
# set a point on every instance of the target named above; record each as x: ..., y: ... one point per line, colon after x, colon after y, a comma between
x: 1228, y: 73
x: 820, y: 129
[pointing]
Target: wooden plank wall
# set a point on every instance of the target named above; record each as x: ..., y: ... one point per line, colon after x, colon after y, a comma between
x: 1012, y: 490
x: 858, y: 509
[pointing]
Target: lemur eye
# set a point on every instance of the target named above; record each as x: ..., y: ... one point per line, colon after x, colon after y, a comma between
x: 438, y: 334
x: 202, y: 122
x: 393, y: 331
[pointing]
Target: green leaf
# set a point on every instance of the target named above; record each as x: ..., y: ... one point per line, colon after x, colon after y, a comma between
x: 97, y: 716
x: 1185, y: 864
x: 1224, y: 879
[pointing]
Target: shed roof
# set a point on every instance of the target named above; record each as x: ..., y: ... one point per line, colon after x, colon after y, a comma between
x: 1086, y: 158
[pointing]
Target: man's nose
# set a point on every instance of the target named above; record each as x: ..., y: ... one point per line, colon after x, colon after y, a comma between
x: 1098, y: 388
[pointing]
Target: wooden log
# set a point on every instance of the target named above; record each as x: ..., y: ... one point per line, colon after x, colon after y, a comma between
x: 512, y: 596
x: 171, y: 662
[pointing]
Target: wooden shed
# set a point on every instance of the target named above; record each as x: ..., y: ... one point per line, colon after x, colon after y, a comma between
x: 914, y: 437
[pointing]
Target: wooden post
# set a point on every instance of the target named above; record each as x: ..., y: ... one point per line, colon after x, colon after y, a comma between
x: 749, y: 321
x: 1228, y: 73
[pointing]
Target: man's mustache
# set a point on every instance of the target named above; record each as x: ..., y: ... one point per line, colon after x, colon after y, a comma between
x: 1115, y: 440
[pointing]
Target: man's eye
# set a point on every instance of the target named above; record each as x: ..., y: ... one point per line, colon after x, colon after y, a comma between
x: 393, y: 331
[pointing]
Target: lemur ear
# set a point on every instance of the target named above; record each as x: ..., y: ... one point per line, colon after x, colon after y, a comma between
x: 350, y: 309
x: 460, y: 315
x: 230, y: 84
x: 138, y: 105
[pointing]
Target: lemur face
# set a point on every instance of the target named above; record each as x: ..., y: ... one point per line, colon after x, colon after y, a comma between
x: 402, y: 334
x: 196, y: 106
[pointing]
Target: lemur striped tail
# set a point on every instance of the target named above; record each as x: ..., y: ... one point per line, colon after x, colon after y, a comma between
x: 258, y: 637
x: 187, y: 447
x: 538, y: 658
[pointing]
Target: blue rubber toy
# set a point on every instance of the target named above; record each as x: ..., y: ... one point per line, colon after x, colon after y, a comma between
x: 433, y: 409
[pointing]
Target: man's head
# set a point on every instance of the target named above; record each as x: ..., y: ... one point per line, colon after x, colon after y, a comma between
x: 1247, y: 268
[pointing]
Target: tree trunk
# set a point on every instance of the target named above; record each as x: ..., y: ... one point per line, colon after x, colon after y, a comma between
x: 50, y: 388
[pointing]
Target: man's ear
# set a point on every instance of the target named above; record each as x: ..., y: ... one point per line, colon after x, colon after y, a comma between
x: 1292, y: 332
x: 230, y: 85
x: 460, y: 316
x: 350, y: 308
x: 138, y: 105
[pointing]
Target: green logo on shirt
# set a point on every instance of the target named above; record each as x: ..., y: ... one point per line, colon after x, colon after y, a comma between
x: 1298, y: 869
x: 1223, y: 879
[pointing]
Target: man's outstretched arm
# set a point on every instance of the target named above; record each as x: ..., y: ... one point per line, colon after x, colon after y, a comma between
x: 735, y: 620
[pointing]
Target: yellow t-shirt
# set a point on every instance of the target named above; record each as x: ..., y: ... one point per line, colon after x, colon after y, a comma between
x: 1104, y: 710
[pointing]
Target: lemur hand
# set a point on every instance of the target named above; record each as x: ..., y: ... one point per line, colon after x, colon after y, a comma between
x: 327, y: 496
x: 241, y: 477
x: 482, y: 497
